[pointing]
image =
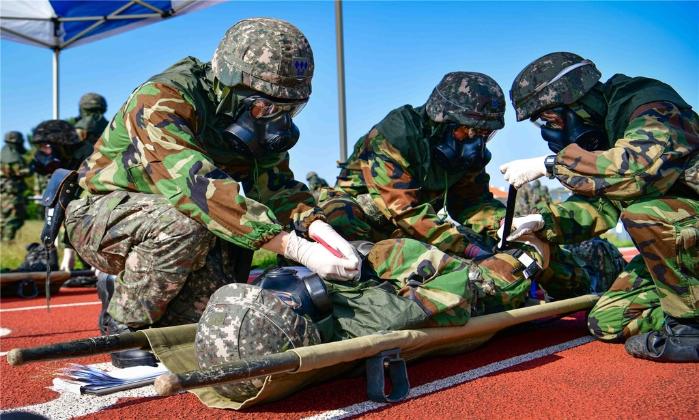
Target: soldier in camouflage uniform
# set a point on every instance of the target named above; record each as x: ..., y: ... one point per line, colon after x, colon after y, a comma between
x: 165, y: 213
x: 531, y: 195
x: 13, y: 170
x: 419, y: 160
x: 626, y: 148
x: 90, y: 123
x: 405, y: 284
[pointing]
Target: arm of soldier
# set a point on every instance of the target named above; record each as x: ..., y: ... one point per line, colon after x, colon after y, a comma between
x: 636, y: 165
x: 164, y: 122
x: 577, y: 219
x: 471, y: 203
x: 290, y: 200
x: 395, y: 193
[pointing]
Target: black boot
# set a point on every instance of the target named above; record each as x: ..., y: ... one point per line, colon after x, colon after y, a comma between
x: 678, y: 341
x: 109, y: 326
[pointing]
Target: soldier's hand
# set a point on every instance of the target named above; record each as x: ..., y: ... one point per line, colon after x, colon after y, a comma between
x: 322, y: 232
x: 320, y: 260
x: 519, y: 172
x: 523, y: 226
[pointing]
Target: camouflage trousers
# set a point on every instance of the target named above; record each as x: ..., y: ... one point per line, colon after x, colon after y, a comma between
x: 167, y: 265
x: 13, y: 212
x: 663, y: 279
x: 411, y: 284
x: 358, y: 219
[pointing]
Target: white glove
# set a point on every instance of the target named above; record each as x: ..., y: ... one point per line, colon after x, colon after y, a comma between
x: 319, y: 260
x: 524, y: 225
x: 322, y: 232
x: 519, y: 172
x: 68, y: 260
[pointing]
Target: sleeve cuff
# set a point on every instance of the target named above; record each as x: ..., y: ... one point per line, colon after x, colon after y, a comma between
x: 302, y: 220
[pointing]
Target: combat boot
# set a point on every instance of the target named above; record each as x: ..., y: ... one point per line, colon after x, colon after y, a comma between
x: 109, y: 326
x: 678, y: 341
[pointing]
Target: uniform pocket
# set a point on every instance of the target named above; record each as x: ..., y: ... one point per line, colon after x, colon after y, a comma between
x: 686, y: 246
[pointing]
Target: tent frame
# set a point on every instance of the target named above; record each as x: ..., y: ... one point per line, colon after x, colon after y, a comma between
x: 98, y: 21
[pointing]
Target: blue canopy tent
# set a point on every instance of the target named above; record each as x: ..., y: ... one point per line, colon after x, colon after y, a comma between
x: 63, y: 24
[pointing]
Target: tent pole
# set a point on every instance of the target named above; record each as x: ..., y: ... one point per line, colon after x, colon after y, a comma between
x: 56, y: 112
x: 341, y: 79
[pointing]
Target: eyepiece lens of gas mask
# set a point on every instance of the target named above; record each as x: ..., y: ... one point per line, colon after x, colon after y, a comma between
x: 265, y: 108
x: 460, y: 132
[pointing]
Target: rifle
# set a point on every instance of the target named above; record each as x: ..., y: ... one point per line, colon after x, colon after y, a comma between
x: 24, y: 284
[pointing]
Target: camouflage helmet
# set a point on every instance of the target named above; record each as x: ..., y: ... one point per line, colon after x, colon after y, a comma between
x: 93, y: 101
x: 243, y: 321
x: 467, y: 98
x: 14, y: 137
x: 57, y: 132
x: 559, y: 78
x: 268, y: 55
x: 311, y: 174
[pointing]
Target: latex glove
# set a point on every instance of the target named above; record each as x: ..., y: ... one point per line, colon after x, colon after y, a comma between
x: 68, y: 260
x: 322, y: 232
x: 319, y: 260
x: 523, y: 226
x: 519, y: 172
x: 474, y: 252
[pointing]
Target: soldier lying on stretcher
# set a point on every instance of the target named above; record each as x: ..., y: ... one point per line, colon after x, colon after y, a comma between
x: 405, y: 284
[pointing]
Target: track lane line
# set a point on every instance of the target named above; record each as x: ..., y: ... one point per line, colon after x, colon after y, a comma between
x: 63, y: 305
x: 434, y: 386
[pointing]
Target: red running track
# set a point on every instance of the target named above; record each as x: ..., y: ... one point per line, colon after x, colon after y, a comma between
x: 593, y: 380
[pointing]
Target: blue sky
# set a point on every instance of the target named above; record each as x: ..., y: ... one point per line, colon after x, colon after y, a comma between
x: 395, y: 53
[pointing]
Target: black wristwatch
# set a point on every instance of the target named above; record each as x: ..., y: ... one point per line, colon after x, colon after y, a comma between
x: 548, y: 163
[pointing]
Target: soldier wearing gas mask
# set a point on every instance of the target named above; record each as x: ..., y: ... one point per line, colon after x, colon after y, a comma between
x: 165, y: 213
x: 626, y: 148
x: 419, y: 160
x: 90, y: 123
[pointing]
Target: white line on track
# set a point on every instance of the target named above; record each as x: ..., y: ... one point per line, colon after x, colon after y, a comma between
x: 431, y: 387
x: 63, y: 305
x: 69, y: 405
x: 5, y: 331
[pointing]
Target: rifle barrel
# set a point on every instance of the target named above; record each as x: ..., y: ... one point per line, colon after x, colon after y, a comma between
x: 170, y: 384
x: 77, y: 348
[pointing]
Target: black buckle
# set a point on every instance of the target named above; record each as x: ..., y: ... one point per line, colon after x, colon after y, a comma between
x: 376, y: 367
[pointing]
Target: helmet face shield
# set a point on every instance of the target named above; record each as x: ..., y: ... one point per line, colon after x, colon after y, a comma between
x: 265, y: 108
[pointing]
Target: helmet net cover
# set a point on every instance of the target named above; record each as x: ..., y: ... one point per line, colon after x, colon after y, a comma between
x: 467, y: 98
x: 57, y: 132
x: 268, y: 55
x: 556, y: 79
x: 243, y: 321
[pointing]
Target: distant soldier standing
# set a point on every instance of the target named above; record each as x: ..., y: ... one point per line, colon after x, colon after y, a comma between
x: 626, y: 148
x: 90, y: 123
x: 315, y: 182
x: 13, y: 170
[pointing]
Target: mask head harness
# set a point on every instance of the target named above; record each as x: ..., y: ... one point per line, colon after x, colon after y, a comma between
x: 299, y: 289
x: 263, y: 125
x: 456, y: 150
x: 574, y: 129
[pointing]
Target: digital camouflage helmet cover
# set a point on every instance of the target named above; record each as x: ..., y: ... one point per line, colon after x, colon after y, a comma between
x: 558, y: 78
x: 467, y: 98
x: 242, y: 321
x: 268, y: 55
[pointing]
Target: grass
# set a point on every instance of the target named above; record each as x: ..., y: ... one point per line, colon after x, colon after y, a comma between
x: 619, y: 243
x: 12, y: 252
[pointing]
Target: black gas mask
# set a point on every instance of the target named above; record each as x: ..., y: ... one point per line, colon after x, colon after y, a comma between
x: 455, y: 151
x: 575, y: 130
x: 263, y: 127
x: 300, y: 289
